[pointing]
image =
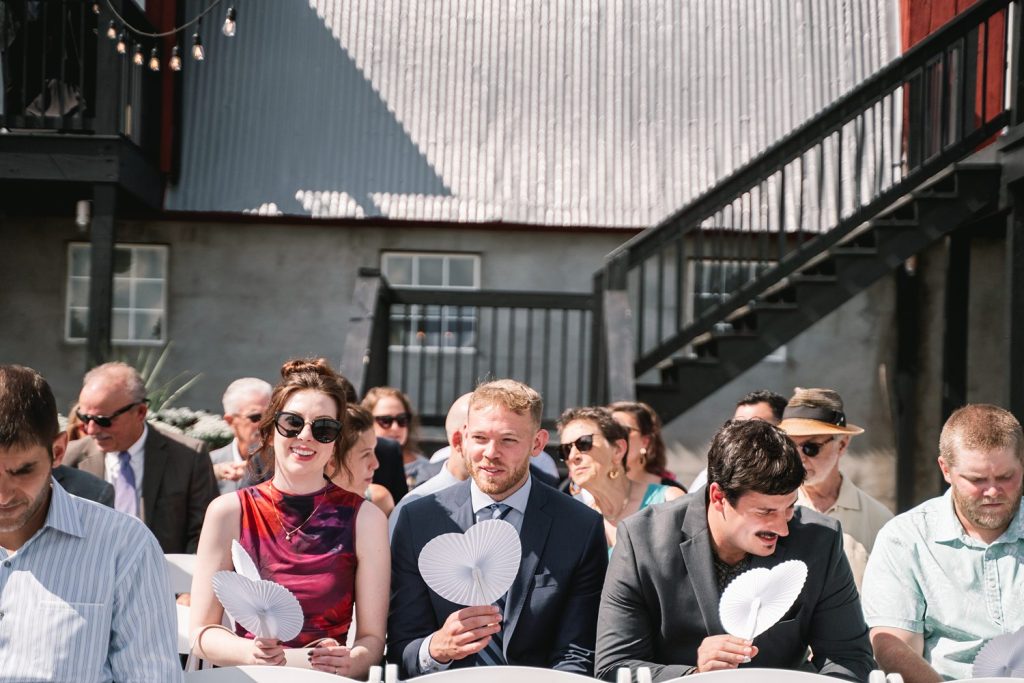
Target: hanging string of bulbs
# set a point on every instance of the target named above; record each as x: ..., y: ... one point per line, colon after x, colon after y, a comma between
x: 127, y: 34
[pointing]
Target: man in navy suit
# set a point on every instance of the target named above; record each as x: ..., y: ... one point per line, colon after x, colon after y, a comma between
x: 548, y: 616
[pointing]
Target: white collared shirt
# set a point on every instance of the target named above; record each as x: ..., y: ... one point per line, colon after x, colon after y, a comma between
x: 96, y: 581
x: 137, y: 452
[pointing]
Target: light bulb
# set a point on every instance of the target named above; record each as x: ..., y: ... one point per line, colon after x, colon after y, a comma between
x: 175, y: 61
x: 112, y: 30
x: 230, y: 24
x: 122, y: 45
x: 138, y: 58
x: 154, y: 60
x: 198, y: 53
x: 95, y: 8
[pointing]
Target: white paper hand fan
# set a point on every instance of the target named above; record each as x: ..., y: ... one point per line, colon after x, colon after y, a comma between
x: 758, y: 598
x: 264, y: 608
x: 243, y: 563
x: 474, y: 568
x: 1001, y: 657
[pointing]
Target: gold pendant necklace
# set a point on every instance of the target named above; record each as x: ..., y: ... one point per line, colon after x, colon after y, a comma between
x: 288, y: 534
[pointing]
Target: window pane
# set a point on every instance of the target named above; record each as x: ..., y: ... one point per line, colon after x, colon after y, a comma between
x: 120, y: 326
x: 79, y: 259
x: 398, y: 269
x: 122, y: 292
x: 431, y: 271
x: 79, y: 324
x: 149, y: 263
x: 460, y: 272
x: 122, y: 261
x: 79, y: 292
x: 149, y: 294
x: 149, y: 326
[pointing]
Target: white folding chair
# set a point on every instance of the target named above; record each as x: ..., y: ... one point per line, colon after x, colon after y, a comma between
x: 503, y: 674
x: 180, y: 568
x: 263, y: 674
x: 754, y: 675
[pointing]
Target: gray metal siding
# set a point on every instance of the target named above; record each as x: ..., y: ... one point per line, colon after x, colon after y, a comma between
x: 593, y: 112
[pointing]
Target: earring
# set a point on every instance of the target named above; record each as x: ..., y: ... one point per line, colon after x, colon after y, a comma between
x: 643, y: 457
x: 574, y: 490
x: 614, y: 474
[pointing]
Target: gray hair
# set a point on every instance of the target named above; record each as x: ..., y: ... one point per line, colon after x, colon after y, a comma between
x: 241, y: 389
x: 119, y: 373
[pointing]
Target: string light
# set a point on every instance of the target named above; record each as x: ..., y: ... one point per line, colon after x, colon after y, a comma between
x: 175, y: 61
x: 198, y: 53
x: 154, y: 60
x: 95, y: 8
x: 138, y: 58
x: 112, y: 30
x: 122, y: 45
x: 230, y: 24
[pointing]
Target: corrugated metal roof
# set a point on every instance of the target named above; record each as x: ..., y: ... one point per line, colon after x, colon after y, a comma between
x: 594, y: 112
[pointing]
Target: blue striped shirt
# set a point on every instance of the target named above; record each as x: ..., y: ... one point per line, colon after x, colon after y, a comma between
x: 87, y: 599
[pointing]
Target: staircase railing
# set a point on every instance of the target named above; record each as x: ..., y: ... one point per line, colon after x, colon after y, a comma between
x: 941, y: 99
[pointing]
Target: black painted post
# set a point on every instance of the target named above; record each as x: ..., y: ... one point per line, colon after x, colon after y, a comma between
x: 1015, y: 298
x: 954, y: 334
x: 101, y: 274
x: 109, y: 65
x: 908, y: 340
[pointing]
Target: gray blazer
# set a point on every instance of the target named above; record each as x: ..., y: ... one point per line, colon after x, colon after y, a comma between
x: 177, y: 485
x: 225, y: 454
x: 552, y: 604
x: 660, y: 597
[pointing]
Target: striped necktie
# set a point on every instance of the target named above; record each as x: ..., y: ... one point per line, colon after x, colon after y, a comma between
x: 493, y: 654
x: 125, y: 497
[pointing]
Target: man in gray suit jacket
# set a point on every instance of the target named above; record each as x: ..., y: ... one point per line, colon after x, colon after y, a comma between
x: 244, y: 401
x: 672, y: 561
x: 547, y: 617
x: 166, y: 481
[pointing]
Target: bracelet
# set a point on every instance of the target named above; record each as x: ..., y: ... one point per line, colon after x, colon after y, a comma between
x: 196, y: 647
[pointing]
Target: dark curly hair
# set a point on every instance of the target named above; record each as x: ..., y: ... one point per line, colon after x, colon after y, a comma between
x: 754, y: 455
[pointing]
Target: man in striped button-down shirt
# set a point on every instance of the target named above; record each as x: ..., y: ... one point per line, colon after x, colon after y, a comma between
x: 83, y: 588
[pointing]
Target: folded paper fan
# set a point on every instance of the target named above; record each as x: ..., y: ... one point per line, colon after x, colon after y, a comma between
x: 474, y: 568
x: 1001, y: 657
x: 264, y: 608
x: 758, y: 598
x: 243, y: 563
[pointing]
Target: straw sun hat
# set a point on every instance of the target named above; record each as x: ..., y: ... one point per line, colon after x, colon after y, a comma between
x: 813, y: 412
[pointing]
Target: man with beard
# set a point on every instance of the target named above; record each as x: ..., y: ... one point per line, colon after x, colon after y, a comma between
x: 547, y: 618
x: 83, y: 588
x: 947, y: 576
x: 672, y: 562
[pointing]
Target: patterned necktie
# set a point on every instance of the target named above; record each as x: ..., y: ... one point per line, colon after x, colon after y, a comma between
x: 125, y: 498
x: 492, y: 655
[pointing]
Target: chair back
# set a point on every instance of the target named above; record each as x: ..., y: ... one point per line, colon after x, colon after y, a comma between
x: 263, y: 674
x: 503, y: 674
x: 180, y: 568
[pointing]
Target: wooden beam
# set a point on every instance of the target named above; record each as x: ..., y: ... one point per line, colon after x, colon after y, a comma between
x: 101, y: 274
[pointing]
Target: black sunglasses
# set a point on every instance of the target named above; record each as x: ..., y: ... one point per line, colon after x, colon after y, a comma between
x: 582, y: 444
x: 324, y: 429
x: 812, y: 448
x: 402, y: 419
x: 105, y: 420
x: 254, y: 418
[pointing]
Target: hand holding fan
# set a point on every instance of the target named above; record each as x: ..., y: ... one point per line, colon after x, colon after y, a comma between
x: 1001, y: 657
x: 266, y: 609
x: 474, y: 568
x: 758, y: 598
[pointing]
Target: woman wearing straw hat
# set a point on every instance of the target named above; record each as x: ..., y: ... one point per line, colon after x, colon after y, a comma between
x: 814, y: 419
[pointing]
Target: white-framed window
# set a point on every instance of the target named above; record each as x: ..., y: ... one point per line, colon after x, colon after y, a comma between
x: 434, y: 327
x: 715, y: 279
x: 139, y: 313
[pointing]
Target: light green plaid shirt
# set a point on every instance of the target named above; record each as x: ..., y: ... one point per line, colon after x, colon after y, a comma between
x: 926, y: 575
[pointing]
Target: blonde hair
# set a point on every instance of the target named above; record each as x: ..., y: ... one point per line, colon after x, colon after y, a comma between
x: 511, y: 395
x: 982, y: 427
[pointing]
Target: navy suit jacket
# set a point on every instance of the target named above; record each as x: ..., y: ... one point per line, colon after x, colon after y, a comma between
x: 84, y: 485
x: 661, y: 598
x: 551, y: 611
x: 177, y: 485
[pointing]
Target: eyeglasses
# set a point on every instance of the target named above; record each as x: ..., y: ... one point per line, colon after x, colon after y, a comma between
x: 402, y: 419
x: 290, y: 425
x: 582, y: 444
x: 105, y: 420
x: 812, y: 448
x: 254, y: 418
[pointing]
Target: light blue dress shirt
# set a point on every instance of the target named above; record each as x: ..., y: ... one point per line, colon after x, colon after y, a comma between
x: 926, y: 575
x: 479, y: 500
x: 86, y: 599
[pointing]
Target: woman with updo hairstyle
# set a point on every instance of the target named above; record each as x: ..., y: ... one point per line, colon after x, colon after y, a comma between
x: 595, y: 446
x: 360, y: 461
x: 646, y: 447
x: 393, y: 418
x: 316, y: 539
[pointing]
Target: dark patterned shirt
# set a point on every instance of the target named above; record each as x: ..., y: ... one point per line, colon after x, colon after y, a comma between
x: 725, y: 573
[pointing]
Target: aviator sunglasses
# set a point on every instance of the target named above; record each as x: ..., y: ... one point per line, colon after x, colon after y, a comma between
x: 812, y: 448
x: 582, y: 444
x: 290, y: 425
x: 105, y: 420
x: 402, y: 419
